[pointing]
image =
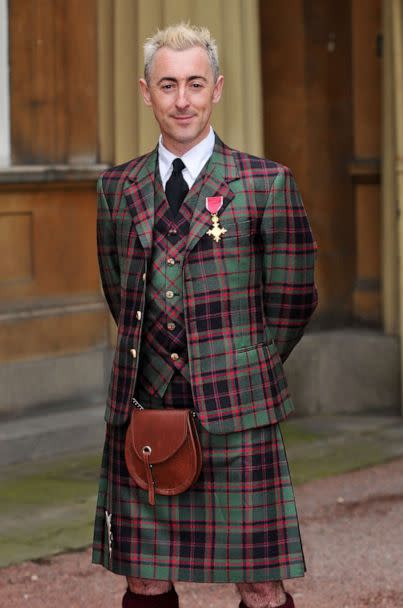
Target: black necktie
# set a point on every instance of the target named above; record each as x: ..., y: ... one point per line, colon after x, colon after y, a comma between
x: 176, y: 187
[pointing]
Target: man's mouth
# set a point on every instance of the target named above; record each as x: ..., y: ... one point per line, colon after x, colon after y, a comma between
x: 183, y: 117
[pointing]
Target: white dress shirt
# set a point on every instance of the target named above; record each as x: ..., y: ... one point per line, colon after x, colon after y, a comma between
x: 194, y: 160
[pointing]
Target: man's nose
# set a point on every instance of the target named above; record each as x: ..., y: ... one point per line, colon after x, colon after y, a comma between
x: 182, y: 100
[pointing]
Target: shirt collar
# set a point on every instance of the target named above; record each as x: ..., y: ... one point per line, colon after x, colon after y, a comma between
x: 194, y: 160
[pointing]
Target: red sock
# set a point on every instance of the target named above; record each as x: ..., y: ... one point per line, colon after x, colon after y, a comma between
x: 289, y: 603
x: 162, y: 600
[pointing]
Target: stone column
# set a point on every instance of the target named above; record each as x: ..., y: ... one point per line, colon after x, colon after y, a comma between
x: 390, y: 270
x: 397, y: 21
x: 392, y: 173
x: 365, y: 168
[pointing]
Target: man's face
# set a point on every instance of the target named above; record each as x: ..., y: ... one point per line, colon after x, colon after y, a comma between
x: 181, y: 91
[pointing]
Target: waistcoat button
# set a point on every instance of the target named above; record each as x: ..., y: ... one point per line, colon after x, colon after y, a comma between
x: 138, y: 315
x: 169, y: 294
x: 170, y: 261
x: 172, y: 231
x: 133, y: 352
x: 174, y: 356
x: 171, y: 326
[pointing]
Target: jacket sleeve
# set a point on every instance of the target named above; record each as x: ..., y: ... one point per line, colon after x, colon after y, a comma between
x: 108, y: 259
x: 290, y: 294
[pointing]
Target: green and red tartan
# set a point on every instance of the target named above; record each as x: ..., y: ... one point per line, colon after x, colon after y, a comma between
x: 237, y: 524
x: 246, y: 299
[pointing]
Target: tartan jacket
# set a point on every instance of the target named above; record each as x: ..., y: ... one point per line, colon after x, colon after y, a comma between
x: 247, y: 298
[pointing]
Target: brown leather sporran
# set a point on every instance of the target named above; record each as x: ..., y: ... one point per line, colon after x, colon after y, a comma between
x: 162, y: 451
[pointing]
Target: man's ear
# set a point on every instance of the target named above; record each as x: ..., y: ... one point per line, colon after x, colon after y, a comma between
x: 218, y: 89
x: 145, y: 91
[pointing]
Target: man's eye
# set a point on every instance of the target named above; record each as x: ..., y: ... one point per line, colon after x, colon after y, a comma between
x: 167, y: 87
x: 196, y: 85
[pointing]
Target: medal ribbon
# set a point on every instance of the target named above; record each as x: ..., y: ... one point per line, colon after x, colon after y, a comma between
x: 214, y: 204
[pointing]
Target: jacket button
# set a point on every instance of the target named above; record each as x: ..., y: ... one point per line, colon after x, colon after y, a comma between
x: 133, y: 352
x: 172, y: 231
x: 144, y: 276
x: 174, y: 356
x: 171, y: 326
x: 138, y: 315
x: 169, y: 294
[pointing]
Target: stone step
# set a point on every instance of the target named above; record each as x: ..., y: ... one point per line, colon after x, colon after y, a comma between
x: 50, y: 434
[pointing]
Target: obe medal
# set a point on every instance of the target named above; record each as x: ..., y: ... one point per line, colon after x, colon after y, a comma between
x: 214, y: 204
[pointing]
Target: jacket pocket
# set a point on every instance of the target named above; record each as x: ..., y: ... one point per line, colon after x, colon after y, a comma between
x: 251, y: 347
x: 243, y: 388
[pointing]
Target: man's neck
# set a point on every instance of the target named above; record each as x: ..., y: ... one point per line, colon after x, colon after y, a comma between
x: 180, y: 149
x: 194, y: 159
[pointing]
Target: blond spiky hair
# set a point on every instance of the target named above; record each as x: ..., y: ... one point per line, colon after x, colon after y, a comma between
x: 180, y: 37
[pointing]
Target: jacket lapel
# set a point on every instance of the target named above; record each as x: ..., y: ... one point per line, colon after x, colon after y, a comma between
x: 221, y: 170
x: 139, y: 194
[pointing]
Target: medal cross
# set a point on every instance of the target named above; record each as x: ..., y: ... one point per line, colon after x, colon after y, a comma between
x: 216, y: 231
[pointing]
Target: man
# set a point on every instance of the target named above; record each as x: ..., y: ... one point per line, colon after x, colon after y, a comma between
x: 206, y: 258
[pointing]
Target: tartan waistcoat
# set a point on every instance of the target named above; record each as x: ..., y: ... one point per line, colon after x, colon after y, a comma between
x: 163, y: 344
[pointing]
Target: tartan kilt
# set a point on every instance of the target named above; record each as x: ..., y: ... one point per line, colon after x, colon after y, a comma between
x: 238, y: 523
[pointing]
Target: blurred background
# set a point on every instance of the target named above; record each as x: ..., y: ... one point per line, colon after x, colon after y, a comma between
x: 314, y: 84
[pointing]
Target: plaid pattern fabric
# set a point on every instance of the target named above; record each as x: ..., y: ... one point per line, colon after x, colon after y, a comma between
x: 158, y: 342
x: 237, y: 523
x: 247, y: 298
